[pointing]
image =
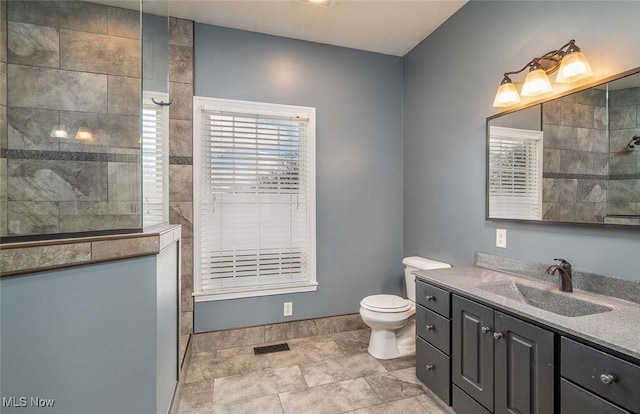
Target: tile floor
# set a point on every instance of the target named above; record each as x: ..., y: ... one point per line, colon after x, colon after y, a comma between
x: 320, y: 374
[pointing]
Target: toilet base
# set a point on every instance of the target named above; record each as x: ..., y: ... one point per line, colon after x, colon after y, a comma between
x: 388, y: 344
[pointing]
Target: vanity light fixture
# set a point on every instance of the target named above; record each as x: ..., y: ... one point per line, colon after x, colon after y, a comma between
x: 325, y: 3
x: 569, y: 61
x: 58, y: 131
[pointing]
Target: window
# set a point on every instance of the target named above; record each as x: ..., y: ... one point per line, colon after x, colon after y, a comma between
x: 254, y: 199
x: 515, y: 173
x: 155, y: 159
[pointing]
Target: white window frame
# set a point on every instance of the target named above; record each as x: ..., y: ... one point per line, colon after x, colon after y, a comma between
x: 516, y: 134
x: 267, y: 109
x: 147, y: 100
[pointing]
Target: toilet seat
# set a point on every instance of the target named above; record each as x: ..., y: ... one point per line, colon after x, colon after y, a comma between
x: 386, y: 303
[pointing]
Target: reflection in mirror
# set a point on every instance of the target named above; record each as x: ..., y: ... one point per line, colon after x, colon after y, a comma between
x: 572, y: 159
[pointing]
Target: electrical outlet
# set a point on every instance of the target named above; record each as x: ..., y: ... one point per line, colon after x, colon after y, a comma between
x: 288, y: 308
x: 501, y: 238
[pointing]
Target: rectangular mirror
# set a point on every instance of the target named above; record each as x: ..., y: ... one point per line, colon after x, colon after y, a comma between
x: 573, y: 159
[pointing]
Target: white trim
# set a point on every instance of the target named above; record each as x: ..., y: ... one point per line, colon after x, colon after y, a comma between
x: 254, y: 291
x: 228, y: 105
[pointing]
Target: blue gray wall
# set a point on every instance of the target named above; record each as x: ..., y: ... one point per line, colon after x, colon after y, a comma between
x: 449, y: 85
x: 357, y: 96
x: 83, y: 336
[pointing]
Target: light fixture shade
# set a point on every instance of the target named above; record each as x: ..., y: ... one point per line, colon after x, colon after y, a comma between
x: 58, y: 131
x: 536, y: 83
x: 573, y: 67
x: 507, y: 95
x: 85, y: 134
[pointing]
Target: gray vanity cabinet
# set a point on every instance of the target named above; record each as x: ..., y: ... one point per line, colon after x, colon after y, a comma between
x: 503, y: 363
x: 472, y: 365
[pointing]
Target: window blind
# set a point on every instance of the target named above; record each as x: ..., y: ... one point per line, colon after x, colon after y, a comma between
x: 154, y: 163
x: 254, y: 200
x: 515, y: 173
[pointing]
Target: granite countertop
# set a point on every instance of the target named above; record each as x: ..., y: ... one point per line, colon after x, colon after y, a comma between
x: 618, y: 329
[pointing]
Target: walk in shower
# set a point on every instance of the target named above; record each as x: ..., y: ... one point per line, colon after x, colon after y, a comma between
x: 83, y: 128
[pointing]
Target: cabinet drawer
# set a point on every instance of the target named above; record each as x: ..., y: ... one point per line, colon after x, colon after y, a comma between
x: 433, y: 369
x: 434, y: 329
x: 433, y: 298
x: 463, y: 404
x: 574, y: 399
x: 585, y: 366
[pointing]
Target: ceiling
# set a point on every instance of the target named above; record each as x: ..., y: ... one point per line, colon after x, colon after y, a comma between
x: 391, y: 27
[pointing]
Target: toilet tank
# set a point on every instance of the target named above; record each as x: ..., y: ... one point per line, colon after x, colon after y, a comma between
x: 414, y: 263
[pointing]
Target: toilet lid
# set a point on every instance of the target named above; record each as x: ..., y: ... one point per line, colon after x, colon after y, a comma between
x: 386, y: 303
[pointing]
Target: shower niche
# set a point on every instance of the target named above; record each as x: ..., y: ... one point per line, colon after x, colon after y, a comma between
x: 573, y: 159
x: 81, y: 150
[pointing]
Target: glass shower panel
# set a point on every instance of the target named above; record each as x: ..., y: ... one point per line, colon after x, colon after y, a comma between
x: 71, y: 152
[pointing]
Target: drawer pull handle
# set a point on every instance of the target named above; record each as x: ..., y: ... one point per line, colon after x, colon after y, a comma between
x: 486, y: 329
x: 430, y: 328
x: 429, y: 367
x: 429, y: 297
x: 607, y: 379
x: 497, y: 335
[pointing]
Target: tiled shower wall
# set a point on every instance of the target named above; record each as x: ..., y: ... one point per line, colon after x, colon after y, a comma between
x: 624, y: 163
x: 71, y: 66
x: 181, y: 153
x: 576, y: 157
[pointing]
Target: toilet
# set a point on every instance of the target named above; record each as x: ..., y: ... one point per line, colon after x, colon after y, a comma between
x: 392, y: 318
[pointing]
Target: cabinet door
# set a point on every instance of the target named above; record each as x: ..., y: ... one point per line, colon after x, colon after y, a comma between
x: 472, y: 356
x: 524, y: 367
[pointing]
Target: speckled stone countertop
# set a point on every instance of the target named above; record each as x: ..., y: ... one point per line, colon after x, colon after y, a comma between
x: 30, y: 257
x: 618, y: 329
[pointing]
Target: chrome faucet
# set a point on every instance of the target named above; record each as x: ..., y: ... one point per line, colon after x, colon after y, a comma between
x: 564, y: 268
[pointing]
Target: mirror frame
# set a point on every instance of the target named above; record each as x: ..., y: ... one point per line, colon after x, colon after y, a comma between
x: 540, y: 101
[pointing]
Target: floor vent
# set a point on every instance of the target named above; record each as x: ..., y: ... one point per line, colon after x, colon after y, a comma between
x: 258, y: 350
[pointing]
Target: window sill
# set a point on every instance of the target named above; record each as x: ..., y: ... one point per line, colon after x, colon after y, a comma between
x: 250, y: 292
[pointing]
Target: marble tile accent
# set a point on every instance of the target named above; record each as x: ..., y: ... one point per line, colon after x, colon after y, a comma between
x: 333, y: 370
x: 623, y: 162
x: 33, y: 45
x: 593, y: 97
x: 433, y: 404
x: 88, y: 52
x: 290, y: 330
x: 124, y: 181
x: 180, y: 32
x: 12, y: 260
x: 197, y: 396
x: 590, y: 212
x: 324, y: 326
x: 623, y: 117
x: 212, y: 341
x: 621, y: 208
x: 305, y: 351
x: 181, y: 212
x: 619, y: 191
x: 124, y: 95
x: 74, y: 15
x: 3, y: 30
x: 345, y: 396
x: 239, y: 364
x: 186, y: 323
x: 594, y: 191
x: 346, y: 323
x: 558, y: 211
x: 257, y: 384
x: 111, y: 249
x: 3, y: 83
x: 396, y: 385
x: 180, y: 182
x: 33, y: 87
x: 269, y: 404
x: 620, y: 137
x: 186, y: 298
x: 109, y: 131
x: 187, y: 256
x: 86, y: 222
x: 182, y: 95
x: 4, y: 230
x: 3, y: 181
x: 31, y: 129
x: 181, y: 64
x: 557, y: 190
x: 624, y: 97
x: 123, y: 22
x: 41, y: 180
x: 180, y: 138
x: 32, y: 217
x: 3, y: 127
x: 353, y: 345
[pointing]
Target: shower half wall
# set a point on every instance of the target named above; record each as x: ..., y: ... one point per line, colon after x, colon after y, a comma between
x: 70, y: 157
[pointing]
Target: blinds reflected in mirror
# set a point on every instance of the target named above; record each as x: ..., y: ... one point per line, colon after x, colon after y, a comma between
x: 155, y: 159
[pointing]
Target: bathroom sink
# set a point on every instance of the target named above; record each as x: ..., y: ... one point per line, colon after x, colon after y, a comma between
x: 543, y: 299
